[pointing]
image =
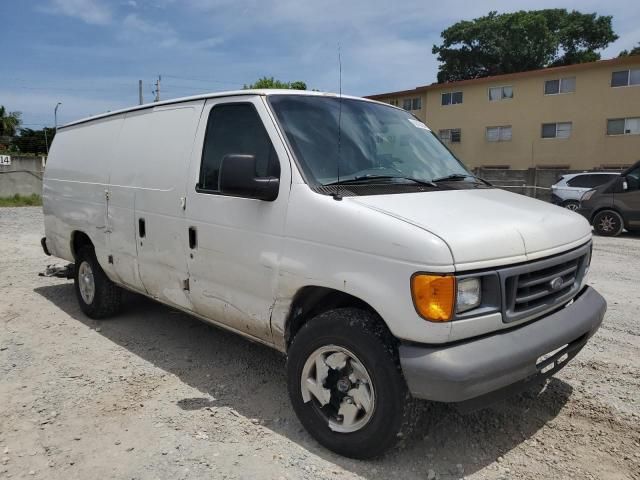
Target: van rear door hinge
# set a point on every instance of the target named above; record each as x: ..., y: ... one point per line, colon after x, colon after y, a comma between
x: 106, y: 194
x: 185, y: 285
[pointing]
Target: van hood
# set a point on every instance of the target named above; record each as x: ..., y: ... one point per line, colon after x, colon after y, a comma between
x: 486, y: 227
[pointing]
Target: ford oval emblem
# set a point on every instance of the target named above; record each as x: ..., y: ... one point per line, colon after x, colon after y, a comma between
x: 556, y: 283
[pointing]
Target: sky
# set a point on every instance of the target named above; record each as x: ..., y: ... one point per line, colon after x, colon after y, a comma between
x: 90, y: 54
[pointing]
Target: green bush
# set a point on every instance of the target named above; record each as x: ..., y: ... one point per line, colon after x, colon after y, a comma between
x: 32, y: 200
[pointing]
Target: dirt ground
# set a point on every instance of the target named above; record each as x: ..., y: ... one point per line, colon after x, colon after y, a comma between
x: 156, y: 394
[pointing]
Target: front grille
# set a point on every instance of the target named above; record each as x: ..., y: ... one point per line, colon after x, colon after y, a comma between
x: 538, y: 286
x: 533, y: 289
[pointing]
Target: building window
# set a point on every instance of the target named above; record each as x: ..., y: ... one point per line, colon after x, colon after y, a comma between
x: 623, y: 126
x: 412, y: 103
x: 556, y: 130
x: 625, y: 78
x: 499, y: 134
x: 451, y: 98
x: 450, y: 135
x: 393, y: 102
x: 561, y: 85
x: 500, y: 93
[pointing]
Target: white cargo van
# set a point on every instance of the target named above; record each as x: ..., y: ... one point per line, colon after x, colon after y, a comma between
x: 335, y: 229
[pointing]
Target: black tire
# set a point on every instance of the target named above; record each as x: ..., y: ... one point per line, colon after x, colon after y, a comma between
x: 608, y: 223
x: 572, y: 205
x: 359, y: 332
x: 107, y: 298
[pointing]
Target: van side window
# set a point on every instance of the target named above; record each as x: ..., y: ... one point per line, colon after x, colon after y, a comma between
x: 235, y: 128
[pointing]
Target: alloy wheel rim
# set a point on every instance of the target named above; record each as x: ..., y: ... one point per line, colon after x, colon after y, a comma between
x: 340, y: 387
x: 572, y: 206
x: 86, y: 283
x: 607, y: 223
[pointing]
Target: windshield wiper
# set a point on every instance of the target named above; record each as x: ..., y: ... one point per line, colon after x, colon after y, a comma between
x: 454, y: 177
x: 364, y: 179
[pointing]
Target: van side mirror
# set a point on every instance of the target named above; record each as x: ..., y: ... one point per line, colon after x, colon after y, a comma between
x: 620, y: 185
x: 238, y: 177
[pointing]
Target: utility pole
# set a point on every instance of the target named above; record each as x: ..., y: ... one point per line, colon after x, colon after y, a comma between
x: 140, y: 99
x: 157, y: 90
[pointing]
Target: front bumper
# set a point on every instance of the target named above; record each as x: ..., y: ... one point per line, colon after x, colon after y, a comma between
x: 480, y: 371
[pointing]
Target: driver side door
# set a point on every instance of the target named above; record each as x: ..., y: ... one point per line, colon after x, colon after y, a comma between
x: 234, y: 242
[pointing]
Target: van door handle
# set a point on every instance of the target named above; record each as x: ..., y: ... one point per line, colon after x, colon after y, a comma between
x: 193, y: 238
x: 142, y: 228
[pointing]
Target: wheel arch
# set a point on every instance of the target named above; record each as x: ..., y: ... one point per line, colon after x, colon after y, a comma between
x: 311, y: 300
x: 79, y: 239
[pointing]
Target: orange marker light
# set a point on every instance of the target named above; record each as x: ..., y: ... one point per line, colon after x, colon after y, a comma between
x: 434, y: 296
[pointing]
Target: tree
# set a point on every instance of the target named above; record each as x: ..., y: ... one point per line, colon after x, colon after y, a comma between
x: 34, y: 141
x: 270, y: 82
x: 520, y: 41
x: 633, y: 51
x: 9, y: 122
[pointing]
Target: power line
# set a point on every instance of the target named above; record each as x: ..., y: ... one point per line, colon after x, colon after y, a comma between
x: 205, y: 80
x: 187, y: 87
x: 66, y: 89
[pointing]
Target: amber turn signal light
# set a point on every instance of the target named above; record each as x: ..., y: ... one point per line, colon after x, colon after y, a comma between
x: 434, y: 296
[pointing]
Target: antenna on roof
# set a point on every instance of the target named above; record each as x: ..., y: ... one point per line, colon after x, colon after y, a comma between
x: 336, y: 196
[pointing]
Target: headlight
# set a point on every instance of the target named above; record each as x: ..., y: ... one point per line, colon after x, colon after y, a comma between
x: 438, y: 297
x: 587, y: 195
x: 469, y: 294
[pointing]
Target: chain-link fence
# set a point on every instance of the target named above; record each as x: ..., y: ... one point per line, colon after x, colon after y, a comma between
x: 27, y: 142
x: 533, y: 182
x: 23, y: 153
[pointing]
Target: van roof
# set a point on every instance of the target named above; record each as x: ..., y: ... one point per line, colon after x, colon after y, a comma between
x: 232, y: 93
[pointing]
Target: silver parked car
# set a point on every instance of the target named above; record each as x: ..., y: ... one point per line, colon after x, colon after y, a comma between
x: 569, y: 188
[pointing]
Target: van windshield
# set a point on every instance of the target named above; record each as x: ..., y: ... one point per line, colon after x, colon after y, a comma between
x: 376, y: 143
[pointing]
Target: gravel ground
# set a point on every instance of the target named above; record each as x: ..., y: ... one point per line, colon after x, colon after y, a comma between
x: 156, y: 394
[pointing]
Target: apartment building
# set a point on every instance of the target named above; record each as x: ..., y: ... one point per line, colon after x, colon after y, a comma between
x: 584, y: 116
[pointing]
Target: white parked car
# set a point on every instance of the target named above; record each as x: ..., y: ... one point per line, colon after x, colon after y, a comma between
x: 337, y: 230
x: 570, y: 187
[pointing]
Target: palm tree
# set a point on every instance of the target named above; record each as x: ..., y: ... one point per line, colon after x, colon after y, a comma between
x: 9, y: 122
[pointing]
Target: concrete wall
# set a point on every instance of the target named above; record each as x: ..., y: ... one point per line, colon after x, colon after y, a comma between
x: 22, y: 177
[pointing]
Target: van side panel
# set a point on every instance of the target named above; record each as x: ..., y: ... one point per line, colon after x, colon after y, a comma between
x: 75, y: 183
x: 148, y: 178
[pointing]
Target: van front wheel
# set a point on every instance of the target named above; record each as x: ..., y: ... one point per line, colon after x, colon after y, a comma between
x: 98, y: 296
x: 345, y: 383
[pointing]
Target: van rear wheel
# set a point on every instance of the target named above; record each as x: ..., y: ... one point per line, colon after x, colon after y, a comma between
x: 98, y: 296
x: 608, y: 223
x: 345, y: 384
